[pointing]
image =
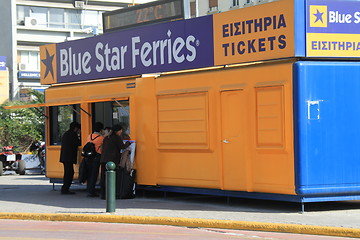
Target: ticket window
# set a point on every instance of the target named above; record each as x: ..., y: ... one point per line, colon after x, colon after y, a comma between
x: 60, y: 119
x: 112, y: 113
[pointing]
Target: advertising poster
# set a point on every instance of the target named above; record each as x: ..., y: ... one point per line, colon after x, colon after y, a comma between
x: 2, y: 63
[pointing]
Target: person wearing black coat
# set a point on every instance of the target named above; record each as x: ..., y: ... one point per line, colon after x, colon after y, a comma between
x: 68, y: 155
x: 111, y: 152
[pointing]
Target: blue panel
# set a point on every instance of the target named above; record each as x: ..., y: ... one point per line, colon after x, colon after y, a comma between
x: 327, y: 127
x: 299, y: 21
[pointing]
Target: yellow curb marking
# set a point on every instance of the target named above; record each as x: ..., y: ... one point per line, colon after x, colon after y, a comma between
x: 189, y: 222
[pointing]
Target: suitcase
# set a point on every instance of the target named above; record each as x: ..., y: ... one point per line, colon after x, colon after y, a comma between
x: 126, y: 183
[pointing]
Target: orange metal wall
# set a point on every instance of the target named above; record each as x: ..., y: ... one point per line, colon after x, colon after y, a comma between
x: 229, y: 128
x: 83, y: 94
x: 255, y: 101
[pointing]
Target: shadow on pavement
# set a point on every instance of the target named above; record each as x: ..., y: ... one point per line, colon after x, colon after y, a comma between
x: 40, y: 192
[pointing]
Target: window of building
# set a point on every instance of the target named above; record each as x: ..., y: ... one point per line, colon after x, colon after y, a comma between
x: 40, y: 14
x: 213, y: 5
x: 193, y: 9
x: 236, y: 2
x: 58, y: 17
x: 73, y: 19
x: 22, y: 12
x: 29, y: 60
x: 60, y: 119
x: 91, y: 18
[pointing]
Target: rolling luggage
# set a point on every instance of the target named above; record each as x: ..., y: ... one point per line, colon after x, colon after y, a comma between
x: 126, y: 183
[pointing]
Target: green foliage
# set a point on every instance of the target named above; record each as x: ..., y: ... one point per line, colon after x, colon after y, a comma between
x: 20, y: 127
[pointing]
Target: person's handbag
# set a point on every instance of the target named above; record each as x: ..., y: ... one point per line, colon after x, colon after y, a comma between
x: 125, y: 161
x: 82, y: 171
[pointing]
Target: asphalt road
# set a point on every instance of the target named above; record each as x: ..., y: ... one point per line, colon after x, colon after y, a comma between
x: 31, y: 230
x: 33, y: 194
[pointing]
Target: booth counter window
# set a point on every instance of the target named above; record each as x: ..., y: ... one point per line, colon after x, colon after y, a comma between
x: 60, y: 119
x: 112, y: 113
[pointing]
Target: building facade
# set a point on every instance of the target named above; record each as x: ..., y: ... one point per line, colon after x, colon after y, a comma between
x: 204, y: 7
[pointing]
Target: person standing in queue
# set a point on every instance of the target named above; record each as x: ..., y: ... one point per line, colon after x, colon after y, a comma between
x: 93, y: 164
x: 68, y: 155
x: 111, y: 152
x: 107, y: 131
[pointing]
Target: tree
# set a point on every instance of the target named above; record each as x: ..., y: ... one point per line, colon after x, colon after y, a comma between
x: 23, y: 126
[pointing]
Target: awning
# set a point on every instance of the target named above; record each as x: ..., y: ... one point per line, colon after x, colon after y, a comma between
x: 111, y: 99
x: 66, y: 103
x: 35, y: 105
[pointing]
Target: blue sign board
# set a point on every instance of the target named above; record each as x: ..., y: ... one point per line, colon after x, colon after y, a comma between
x: 29, y: 75
x: 157, y: 48
x: 333, y: 28
x: 337, y: 16
x: 2, y: 63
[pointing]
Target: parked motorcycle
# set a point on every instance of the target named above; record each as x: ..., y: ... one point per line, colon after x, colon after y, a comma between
x: 11, y: 161
x: 38, y: 148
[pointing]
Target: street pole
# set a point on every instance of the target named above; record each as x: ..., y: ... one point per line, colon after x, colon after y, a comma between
x: 110, y: 187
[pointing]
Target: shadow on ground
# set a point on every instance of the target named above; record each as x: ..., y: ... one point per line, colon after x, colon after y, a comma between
x: 37, y: 190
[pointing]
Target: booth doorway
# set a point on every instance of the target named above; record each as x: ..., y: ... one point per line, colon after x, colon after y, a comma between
x: 233, y: 111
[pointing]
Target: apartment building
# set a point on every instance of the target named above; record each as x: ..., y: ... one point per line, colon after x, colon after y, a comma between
x: 204, y: 7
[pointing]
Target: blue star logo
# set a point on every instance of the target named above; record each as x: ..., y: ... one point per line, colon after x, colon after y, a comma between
x: 319, y: 16
x: 48, y: 63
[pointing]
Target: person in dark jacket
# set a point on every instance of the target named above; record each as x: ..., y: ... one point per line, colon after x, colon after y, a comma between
x: 68, y: 155
x: 93, y: 164
x: 111, y: 152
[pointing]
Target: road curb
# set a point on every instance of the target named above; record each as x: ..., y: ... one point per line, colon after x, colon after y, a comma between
x: 188, y: 222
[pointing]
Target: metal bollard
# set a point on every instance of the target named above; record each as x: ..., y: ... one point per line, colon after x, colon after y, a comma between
x: 110, y: 187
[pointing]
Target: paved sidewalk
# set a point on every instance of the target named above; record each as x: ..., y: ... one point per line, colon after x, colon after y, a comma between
x: 32, y: 197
